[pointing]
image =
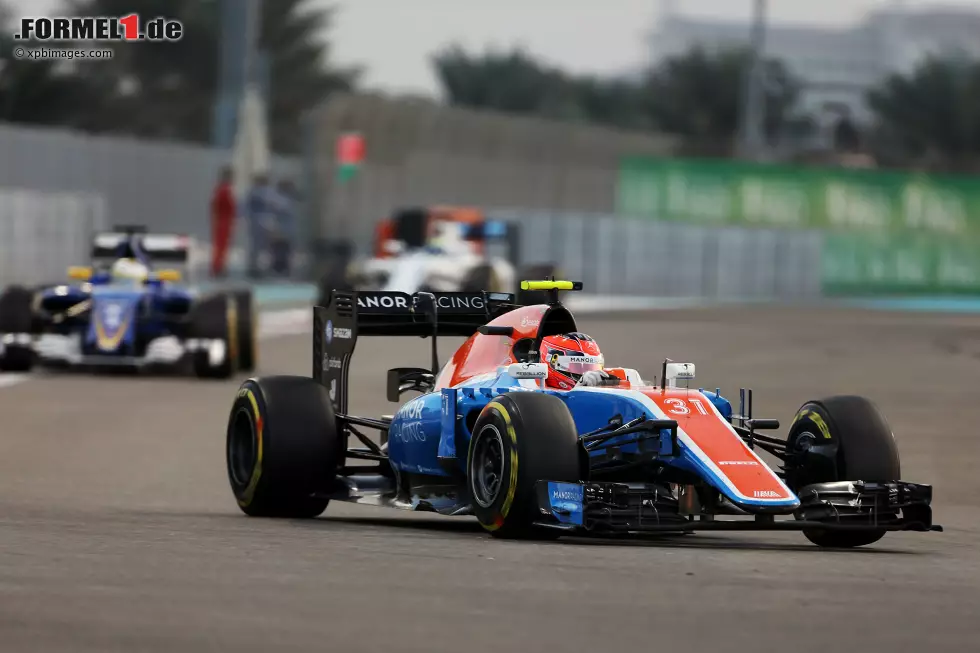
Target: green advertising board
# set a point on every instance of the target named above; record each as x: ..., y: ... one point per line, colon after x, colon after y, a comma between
x: 871, y: 264
x: 735, y: 193
x: 884, y: 232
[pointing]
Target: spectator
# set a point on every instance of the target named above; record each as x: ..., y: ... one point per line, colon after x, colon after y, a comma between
x: 285, y: 236
x: 222, y: 221
x: 261, y: 222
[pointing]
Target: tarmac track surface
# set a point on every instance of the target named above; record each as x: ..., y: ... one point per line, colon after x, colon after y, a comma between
x: 118, y: 531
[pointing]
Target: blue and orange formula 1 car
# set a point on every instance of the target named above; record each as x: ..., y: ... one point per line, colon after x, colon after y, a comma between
x: 122, y: 312
x: 488, y: 438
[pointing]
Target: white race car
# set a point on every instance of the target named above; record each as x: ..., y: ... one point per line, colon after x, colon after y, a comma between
x: 439, y: 249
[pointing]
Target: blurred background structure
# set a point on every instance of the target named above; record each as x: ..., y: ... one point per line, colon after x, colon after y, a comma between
x: 836, y: 67
x: 744, y: 158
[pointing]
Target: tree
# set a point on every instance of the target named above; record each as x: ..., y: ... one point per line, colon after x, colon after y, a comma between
x: 699, y: 96
x: 167, y: 90
x: 299, y: 65
x: 931, y: 116
x: 154, y: 90
x: 615, y: 102
x: 514, y: 82
x: 510, y: 82
x: 34, y: 91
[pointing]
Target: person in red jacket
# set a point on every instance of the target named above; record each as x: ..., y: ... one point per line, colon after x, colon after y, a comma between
x: 222, y: 221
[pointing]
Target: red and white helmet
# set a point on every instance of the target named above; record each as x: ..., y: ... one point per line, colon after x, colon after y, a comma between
x: 569, y: 356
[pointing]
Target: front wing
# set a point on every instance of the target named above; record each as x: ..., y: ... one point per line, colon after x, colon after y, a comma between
x: 167, y: 350
x: 644, y: 508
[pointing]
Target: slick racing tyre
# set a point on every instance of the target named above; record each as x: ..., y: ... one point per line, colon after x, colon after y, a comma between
x: 214, y: 327
x: 17, y: 328
x: 482, y: 278
x: 841, y: 438
x: 283, y: 446
x: 335, y: 279
x: 537, y: 272
x: 332, y: 263
x: 248, y: 325
x: 519, y: 439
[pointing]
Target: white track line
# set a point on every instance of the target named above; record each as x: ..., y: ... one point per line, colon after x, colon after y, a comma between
x: 289, y: 322
x: 12, y: 379
x: 587, y: 304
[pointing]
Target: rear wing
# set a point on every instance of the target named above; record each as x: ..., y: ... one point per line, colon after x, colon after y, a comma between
x: 349, y: 315
x: 153, y: 248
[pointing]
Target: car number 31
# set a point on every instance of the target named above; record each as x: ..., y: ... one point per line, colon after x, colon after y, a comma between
x: 682, y: 406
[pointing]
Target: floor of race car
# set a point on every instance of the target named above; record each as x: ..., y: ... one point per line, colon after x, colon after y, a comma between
x: 118, y: 531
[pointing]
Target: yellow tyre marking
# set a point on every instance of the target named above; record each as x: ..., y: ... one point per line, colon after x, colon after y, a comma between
x: 815, y: 417
x: 249, y: 492
x: 512, y: 482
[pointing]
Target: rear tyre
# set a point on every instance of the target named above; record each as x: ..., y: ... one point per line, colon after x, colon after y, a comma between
x: 247, y: 344
x: 335, y: 279
x: 537, y: 272
x: 332, y: 269
x: 841, y: 438
x: 214, y: 321
x: 17, y: 327
x: 519, y: 439
x: 283, y: 446
x: 480, y: 278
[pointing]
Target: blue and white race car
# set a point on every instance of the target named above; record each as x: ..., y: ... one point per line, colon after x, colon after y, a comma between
x: 487, y: 437
x: 121, y: 311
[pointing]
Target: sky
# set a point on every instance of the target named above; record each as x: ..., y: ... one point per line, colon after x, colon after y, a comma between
x: 394, y: 39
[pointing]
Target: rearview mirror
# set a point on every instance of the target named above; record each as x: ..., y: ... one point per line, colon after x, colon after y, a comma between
x: 528, y: 370
x: 678, y: 372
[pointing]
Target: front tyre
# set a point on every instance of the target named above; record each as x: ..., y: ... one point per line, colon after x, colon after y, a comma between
x: 17, y: 327
x: 481, y: 278
x: 331, y: 264
x: 519, y: 439
x: 841, y: 438
x: 282, y: 447
x: 214, y: 327
x: 247, y: 324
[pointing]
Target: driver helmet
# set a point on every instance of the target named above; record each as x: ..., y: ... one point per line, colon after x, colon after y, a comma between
x: 128, y: 269
x: 569, y: 356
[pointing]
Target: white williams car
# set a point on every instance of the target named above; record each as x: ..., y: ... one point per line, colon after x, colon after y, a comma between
x: 440, y: 250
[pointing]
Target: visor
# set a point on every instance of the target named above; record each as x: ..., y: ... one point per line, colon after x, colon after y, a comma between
x: 576, y: 366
